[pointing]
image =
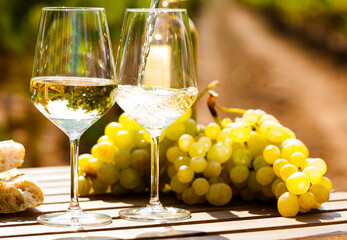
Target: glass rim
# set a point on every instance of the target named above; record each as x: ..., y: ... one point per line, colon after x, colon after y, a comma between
x: 72, y: 9
x: 160, y: 10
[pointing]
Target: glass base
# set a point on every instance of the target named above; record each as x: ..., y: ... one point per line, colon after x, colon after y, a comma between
x: 155, y: 213
x: 74, y: 219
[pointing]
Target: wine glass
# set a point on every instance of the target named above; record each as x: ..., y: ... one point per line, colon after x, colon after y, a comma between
x: 73, y: 84
x: 157, y: 84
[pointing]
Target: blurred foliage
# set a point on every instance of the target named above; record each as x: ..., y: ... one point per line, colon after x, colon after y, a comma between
x: 19, y: 18
x: 321, y: 22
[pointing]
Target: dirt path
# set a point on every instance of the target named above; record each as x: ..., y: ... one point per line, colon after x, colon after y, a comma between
x: 260, y: 68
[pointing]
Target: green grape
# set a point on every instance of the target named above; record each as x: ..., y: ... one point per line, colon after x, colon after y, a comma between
x: 124, y: 140
x: 242, y: 157
x: 92, y: 167
x: 140, y: 159
x: 228, y: 165
x: 104, y: 138
x: 267, y: 191
x: 288, y: 133
x: 191, y: 127
x: 83, y: 161
x: 219, y: 152
x: 197, y: 149
x: 189, y: 196
x: 216, y: 179
x: 185, y: 142
x: 129, y: 178
x: 326, y: 182
x: 139, y: 188
x: 112, y: 129
x: 104, y: 151
x: 185, y: 174
x: 267, y: 117
x: 212, y: 130
x: 118, y: 190
x: 273, y: 131
x: 175, y: 130
x: 319, y: 164
x: 307, y: 200
x: 177, y: 186
x: 278, y: 164
x: 290, y: 146
x: 287, y: 170
x: 83, y: 186
x: 265, y: 175
x: 320, y: 192
x: 279, y: 189
x: 185, y: 116
x: 298, y: 159
x: 271, y: 153
x: 252, y: 182
x: 200, y: 186
x: 219, y: 194
x: 224, y: 136
x: 250, y: 117
x: 181, y: 161
x: 260, y: 113
x: 259, y: 162
x: 207, y: 143
x: 274, y: 184
x: 122, y: 159
x: 298, y: 183
x: 99, y: 187
x: 240, y: 131
x: 239, y: 174
x: 304, y: 210
x: 256, y: 144
x: 247, y: 195
x: 130, y: 125
x: 313, y: 174
x: 198, y: 164
x: 139, y: 139
x: 174, y: 153
x: 163, y: 147
x: 213, y: 169
x: 108, y: 174
x: 225, y: 122
x: 171, y: 171
x: 123, y: 117
x: 288, y: 205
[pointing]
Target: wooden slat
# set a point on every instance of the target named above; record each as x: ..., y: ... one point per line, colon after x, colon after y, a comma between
x: 194, y: 226
x: 239, y: 220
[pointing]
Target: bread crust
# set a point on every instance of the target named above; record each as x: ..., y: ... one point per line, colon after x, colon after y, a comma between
x: 17, y: 193
x: 11, y: 155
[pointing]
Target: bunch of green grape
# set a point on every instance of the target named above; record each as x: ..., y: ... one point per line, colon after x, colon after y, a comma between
x: 254, y: 157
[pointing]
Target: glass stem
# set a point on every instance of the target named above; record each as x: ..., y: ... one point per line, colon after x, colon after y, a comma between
x: 74, y: 144
x: 154, y: 199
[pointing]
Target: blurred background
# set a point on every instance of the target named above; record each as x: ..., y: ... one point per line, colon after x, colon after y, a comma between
x: 288, y: 58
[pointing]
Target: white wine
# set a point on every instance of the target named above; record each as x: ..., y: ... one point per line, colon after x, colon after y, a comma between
x: 72, y: 103
x: 155, y: 108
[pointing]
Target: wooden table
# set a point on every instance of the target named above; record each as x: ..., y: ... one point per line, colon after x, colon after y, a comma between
x: 239, y: 220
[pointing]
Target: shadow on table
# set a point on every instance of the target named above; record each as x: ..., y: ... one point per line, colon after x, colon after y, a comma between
x: 316, y: 217
x: 24, y: 217
x: 170, y: 232
x: 87, y: 238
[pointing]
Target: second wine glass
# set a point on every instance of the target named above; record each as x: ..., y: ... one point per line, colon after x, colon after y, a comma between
x: 157, y: 84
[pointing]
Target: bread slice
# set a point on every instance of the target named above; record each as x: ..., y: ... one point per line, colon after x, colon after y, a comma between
x: 11, y: 155
x: 17, y: 193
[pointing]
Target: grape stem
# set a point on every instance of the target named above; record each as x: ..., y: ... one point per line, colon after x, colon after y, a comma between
x: 203, y: 93
x: 212, y: 106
